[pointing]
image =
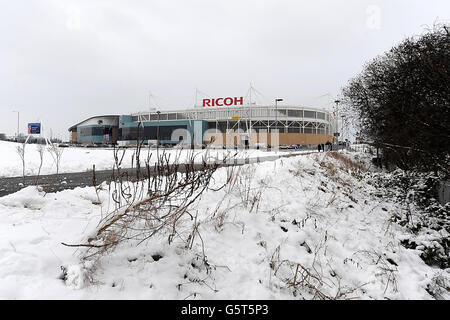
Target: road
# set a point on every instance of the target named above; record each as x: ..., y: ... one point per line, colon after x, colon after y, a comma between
x: 64, y: 181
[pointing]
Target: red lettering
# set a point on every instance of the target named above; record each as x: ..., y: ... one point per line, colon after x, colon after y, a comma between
x: 206, y: 102
x: 240, y: 100
x: 220, y: 102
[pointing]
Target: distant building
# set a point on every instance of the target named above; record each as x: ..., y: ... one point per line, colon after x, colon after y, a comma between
x: 221, y: 125
x: 96, y: 130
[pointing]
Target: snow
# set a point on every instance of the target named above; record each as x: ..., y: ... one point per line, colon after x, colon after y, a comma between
x: 308, y: 217
x: 78, y: 159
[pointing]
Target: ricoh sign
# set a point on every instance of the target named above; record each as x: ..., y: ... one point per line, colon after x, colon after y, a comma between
x: 220, y: 102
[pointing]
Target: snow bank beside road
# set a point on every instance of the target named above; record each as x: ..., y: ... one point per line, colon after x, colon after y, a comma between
x: 319, y: 230
x: 72, y: 160
x: 78, y: 159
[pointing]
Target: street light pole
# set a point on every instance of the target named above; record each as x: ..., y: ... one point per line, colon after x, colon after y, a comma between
x: 276, y: 109
x: 157, y: 133
x: 337, y: 119
x: 343, y: 128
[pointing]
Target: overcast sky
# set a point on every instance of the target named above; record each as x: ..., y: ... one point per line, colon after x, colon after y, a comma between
x: 64, y: 61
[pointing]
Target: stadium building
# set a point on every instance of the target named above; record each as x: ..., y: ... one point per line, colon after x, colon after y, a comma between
x: 96, y: 130
x: 223, y: 122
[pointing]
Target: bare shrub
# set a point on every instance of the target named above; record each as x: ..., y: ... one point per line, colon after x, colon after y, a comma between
x: 157, y: 202
x: 225, y: 206
x: 332, y: 199
x: 249, y: 194
x: 387, y: 267
x: 21, y: 152
x: 56, y: 153
x: 297, y: 277
x: 310, y: 282
x: 439, y: 287
x: 41, y: 150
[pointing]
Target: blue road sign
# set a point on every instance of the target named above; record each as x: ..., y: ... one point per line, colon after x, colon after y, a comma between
x: 34, y: 128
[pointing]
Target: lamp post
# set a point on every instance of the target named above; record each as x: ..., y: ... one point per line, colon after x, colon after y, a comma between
x: 157, y: 132
x: 276, y: 109
x: 337, y: 120
x: 344, y: 128
x: 17, y: 136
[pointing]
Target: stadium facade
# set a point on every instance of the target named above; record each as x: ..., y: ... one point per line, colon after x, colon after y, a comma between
x: 223, y: 121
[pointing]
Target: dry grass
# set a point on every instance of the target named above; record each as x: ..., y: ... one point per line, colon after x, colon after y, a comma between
x: 335, y: 163
x: 347, y: 163
x: 387, y: 268
x: 249, y: 190
x: 309, y: 283
x: 329, y: 166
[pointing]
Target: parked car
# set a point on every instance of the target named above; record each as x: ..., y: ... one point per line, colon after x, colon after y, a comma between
x: 214, y: 146
x: 259, y: 146
x: 182, y: 146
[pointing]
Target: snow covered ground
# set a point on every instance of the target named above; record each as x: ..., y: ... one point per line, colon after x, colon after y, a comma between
x: 78, y: 159
x: 310, y: 227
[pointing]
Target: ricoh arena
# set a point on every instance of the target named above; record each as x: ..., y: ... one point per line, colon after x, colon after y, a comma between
x: 220, y: 122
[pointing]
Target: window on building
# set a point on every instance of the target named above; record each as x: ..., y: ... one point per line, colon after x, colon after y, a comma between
x: 149, y: 132
x: 295, y: 113
x: 310, y: 114
x: 95, y: 131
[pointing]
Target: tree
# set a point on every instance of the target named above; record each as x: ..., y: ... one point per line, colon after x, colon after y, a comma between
x: 402, y: 102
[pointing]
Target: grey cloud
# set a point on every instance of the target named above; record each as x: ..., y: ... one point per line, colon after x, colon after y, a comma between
x: 63, y: 61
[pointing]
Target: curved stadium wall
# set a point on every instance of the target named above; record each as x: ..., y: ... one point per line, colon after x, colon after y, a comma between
x: 252, y: 124
x: 238, y: 125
